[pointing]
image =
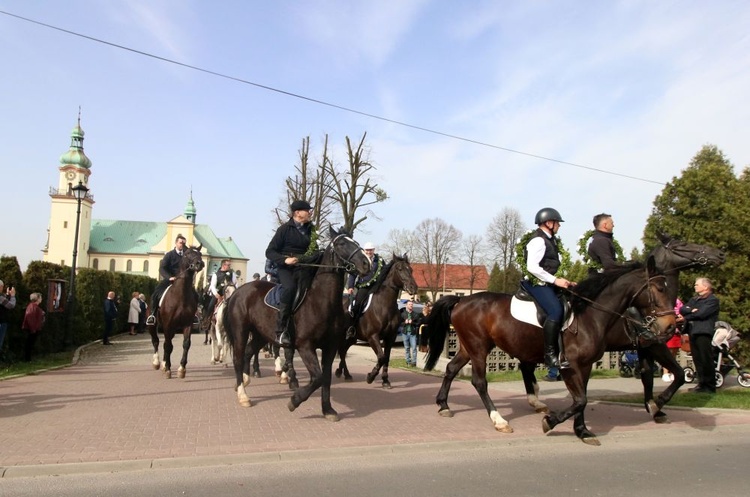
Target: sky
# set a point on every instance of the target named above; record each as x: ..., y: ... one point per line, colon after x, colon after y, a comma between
x: 585, y: 106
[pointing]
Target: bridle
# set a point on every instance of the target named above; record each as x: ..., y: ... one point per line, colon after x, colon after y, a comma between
x: 193, y: 267
x: 699, y: 258
x: 347, y: 264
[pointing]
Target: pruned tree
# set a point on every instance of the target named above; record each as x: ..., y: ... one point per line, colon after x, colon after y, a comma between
x: 354, y: 190
x: 401, y: 241
x: 471, y: 254
x: 436, y: 242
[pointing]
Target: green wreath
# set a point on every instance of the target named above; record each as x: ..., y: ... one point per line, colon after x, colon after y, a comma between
x: 313, y: 247
x: 375, y: 276
x: 583, y: 250
x: 565, y: 262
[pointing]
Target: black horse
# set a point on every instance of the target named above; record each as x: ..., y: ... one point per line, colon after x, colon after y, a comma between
x: 483, y: 321
x: 670, y: 257
x: 177, y: 312
x: 380, y: 321
x: 319, y: 322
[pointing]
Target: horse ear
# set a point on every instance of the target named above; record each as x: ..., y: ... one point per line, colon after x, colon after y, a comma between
x: 198, y: 248
x: 406, y: 256
x: 332, y: 232
x: 651, y: 265
x: 664, y: 238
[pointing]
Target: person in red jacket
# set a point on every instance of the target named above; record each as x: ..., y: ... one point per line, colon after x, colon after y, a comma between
x: 33, y: 320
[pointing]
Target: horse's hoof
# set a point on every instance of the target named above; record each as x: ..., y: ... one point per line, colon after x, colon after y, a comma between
x: 445, y: 413
x: 506, y: 428
x: 542, y: 410
x: 661, y: 418
x: 545, y: 424
x: 181, y: 373
x: 283, y: 380
x: 332, y: 417
x: 387, y: 386
x: 348, y: 378
x: 245, y: 403
x: 370, y: 378
x: 291, y: 406
x: 652, y: 408
x: 156, y: 367
x: 168, y: 374
x: 591, y: 441
x: 256, y: 374
x: 337, y: 373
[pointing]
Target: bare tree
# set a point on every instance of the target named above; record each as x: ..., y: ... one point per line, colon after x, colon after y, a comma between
x: 401, y: 241
x: 503, y: 233
x: 436, y: 242
x: 354, y: 190
x: 472, y: 256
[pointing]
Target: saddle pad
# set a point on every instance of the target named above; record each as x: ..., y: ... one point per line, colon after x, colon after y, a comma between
x: 161, y: 300
x: 525, y: 312
x: 364, y: 308
x: 273, y: 298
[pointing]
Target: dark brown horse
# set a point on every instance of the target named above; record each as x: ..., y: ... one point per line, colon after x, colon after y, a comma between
x: 319, y: 322
x: 177, y: 312
x: 670, y: 258
x: 483, y: 321
x: 380, y: 321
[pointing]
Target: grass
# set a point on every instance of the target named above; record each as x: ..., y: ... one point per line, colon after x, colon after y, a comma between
x: 40, y: 363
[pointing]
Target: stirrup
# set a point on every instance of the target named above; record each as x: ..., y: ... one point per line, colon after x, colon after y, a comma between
x: 351, y: 332
x: 151, y: 320
x: 551, y: 360
x: 282, y: 339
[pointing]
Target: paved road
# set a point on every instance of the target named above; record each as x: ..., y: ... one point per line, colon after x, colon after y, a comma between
x: 113, y: 412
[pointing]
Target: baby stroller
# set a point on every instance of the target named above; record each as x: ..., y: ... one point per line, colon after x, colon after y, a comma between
x: 630, y: 365
x: 725, y: 337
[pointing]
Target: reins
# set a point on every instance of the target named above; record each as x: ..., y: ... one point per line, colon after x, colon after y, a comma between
x: 348, y: 266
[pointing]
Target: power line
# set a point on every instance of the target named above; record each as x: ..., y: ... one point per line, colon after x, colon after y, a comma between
x: 329, y: 104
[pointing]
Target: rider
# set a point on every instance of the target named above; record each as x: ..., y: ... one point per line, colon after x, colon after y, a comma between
x: 364, y: 286
x: 219, y: 282
x: 291, y: 240
x: 601, y: 248
x: 543, y: 261
x: 169, y: 268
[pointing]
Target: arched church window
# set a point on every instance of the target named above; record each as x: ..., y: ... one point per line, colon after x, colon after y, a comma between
x: 129, y: 266
x: 95, y: 264
x: 145, y: 266
x: 112, y: 265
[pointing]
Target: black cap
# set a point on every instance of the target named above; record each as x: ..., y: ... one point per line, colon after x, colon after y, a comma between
x: 301, y: 205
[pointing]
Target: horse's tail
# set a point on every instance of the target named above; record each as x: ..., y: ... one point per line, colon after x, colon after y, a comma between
x: 439, y: 322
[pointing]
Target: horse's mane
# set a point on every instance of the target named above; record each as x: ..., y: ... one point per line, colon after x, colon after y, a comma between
x: 591, y: 287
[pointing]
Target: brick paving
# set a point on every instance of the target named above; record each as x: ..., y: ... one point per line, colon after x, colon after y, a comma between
x: 113, y: 406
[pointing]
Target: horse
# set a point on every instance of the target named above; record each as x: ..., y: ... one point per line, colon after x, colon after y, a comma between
x: 204, y: 320
x: 670, y: 257
x: 318, y: 321
x: 483, y: 321
x: 219, y: 343
x: 380, y: 321
x: 177, y: 312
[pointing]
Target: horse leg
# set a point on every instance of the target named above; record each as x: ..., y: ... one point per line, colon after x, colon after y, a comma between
x: 289, y: 368
x: 576, y: 379
x: 386, y: 359
x: 479, y: 380
x: 451, y: 370
x: 238, y: 355
x: 256, y: 365
x: 381, y: 360
x: 155, y: 362
x: 328, y: 355
x: 168, y: 347
x: 310, y: 358
x: 185, y: 349
x: 662, y: 354
x: 214, y: 345
x: 532, y: 387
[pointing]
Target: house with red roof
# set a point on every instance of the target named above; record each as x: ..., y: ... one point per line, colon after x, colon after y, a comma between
x: 448, y: 279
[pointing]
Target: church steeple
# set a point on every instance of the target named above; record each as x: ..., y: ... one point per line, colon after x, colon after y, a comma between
x: 190, y: 209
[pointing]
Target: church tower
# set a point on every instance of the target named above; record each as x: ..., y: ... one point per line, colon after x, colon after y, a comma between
x: 74, y: 167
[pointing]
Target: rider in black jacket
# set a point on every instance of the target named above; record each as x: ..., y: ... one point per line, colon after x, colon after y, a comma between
x: 169, y: 268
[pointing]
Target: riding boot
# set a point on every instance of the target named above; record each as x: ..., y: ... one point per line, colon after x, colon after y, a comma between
x: 551, y: 332
x: 282, y: 327
x: 564, y: 363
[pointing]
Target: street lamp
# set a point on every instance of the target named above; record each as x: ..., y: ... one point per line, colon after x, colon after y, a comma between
x: 79, y: 192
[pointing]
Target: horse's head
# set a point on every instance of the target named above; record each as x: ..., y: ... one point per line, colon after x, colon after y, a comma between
x: 676, y: 254
x: 403, y: 275
x: 192, y: 260
x: 348, y: 252
x: 652, y: 299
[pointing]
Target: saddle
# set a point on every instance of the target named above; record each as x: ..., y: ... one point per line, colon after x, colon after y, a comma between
x: 524, y: 308
x: 273, y: 297
x: 365, y: 305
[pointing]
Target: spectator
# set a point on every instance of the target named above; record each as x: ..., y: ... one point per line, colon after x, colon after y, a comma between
x: 134, y: 313
x: 673, y: 344
x: 700, y: 315
x: 7, y: 302
x: 33, y: 320
x: 424, y: 332
x: 410, y: 326
x: 110, y: 315
x: 143, y: 313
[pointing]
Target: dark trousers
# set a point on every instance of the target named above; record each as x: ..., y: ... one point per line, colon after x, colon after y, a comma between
x: 700, y: 349
x: 546, y: 297
x: 158, y: 292
x: 29, y: 348
x: 109, y: 325
x: 288, y: 280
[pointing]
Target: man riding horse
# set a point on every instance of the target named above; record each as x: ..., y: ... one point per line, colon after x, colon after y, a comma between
x: 169, y: 268
x: 222, y: 278
x: 292, y: 240
x: 364, y: 285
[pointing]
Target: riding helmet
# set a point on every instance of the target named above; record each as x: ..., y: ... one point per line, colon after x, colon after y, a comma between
x: 547, y: 214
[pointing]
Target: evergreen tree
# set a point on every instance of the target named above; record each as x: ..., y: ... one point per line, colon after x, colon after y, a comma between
x: 495, y: 283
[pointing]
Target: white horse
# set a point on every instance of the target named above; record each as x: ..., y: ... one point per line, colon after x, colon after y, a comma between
x: 219, y: 343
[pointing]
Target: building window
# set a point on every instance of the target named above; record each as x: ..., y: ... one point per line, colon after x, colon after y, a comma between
x: 65, y: 224
x: 112, y: 265
x: 95, y: 264
x: 145, y: 266
x: 129, y: 266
